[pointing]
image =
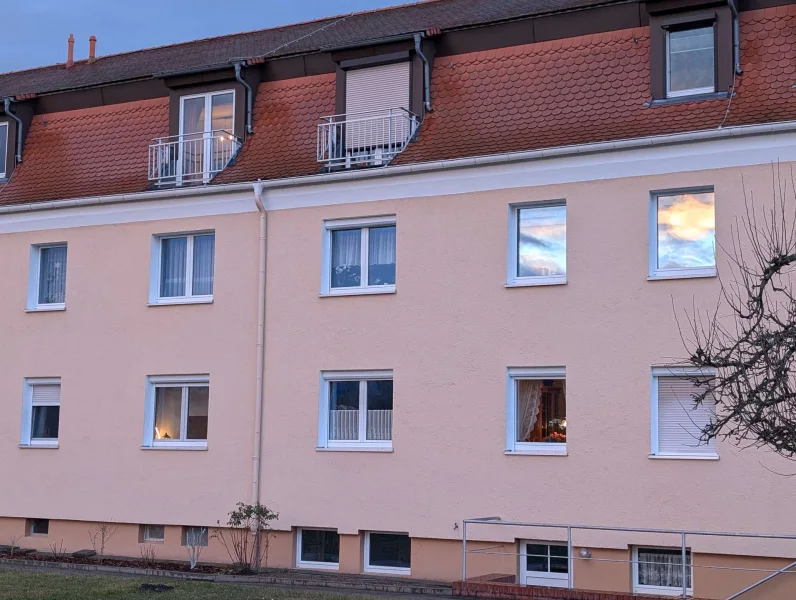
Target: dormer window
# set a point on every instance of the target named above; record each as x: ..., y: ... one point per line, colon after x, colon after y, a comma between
x: 690, y: 61
x: 3, y: 149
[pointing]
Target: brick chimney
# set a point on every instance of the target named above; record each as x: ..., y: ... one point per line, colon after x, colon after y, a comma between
x: 70, y: 53
x: 92, y: 48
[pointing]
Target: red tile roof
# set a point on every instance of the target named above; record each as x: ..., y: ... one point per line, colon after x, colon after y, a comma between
x: 585, y: 89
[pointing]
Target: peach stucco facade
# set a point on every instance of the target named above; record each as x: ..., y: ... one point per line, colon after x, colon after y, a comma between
x: 448, y: 334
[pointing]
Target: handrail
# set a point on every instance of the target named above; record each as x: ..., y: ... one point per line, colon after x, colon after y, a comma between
x: 762, y: 581
x: 191, y: 157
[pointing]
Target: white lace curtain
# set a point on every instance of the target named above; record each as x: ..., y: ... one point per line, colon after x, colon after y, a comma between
x: 381, y: 248
x: 52, y: 275
x: 204, y: 249
x: 529, y: 394
x: 663, y: 568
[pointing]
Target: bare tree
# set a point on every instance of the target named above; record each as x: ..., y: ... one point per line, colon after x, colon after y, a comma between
x: 149, y: 553
x: 100, y: 534
x: 247, y: 535
x: 195, y: 540
x: 14, y: 544
x: 58, y: 550
x: 749, y: 340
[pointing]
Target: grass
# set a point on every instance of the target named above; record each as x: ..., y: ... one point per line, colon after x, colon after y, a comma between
x: 17, y: 584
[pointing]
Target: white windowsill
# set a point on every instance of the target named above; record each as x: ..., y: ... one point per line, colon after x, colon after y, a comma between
x: 536, y: 281
x: 683, y: 274
x: 46, y: 308
x: 362, y: 448
x: 684, y: 456
x: 661, y: 590
x: 387, y: 570
x: 177, y: 446
x: 146, y: 541
x: 178, y: 301
x: 360, y: 291
x: 318, y: 566
x: 554, y: 450
x: 41, y: 445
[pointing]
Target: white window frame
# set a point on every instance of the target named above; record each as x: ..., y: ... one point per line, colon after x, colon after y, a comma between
x: 27, y: 413
x: 364, y: 224
x: 155, y: 298
x: 657, y: 372
x: 207, y: 131
x: 154, y: 540
x: 693, y: 91
x: 513, y: 375
x: 545, y: 578
x: 512, y: 277
x: 324, y: 443
x: 4, y: 151
x: 660, y: 590
x: 313, y: 564
x: 34, y: 273
x: 654, y: 271
x: 368, y: 568
x: 184, y: 381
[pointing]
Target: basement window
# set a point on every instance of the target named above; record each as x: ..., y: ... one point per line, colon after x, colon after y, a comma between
x: 38, y: 526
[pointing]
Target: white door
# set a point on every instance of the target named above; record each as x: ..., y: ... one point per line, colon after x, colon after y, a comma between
x: 200, y: 155
x: 544, y: 564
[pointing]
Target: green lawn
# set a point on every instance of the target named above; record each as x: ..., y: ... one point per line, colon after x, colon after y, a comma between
x: 30, y: 585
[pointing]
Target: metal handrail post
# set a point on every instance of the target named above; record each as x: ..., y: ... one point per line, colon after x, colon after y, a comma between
x: 464, y: 551
x: 569, y: 558
x: 685, y: 578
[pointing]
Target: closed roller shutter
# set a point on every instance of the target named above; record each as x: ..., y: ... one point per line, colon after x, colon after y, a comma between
x: 679, y: 423
x: 46, y: 394
x: 369, y: 95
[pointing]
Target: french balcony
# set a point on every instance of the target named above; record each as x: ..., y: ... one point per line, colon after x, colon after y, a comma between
x: 191, y: 158
x: 371, y: 138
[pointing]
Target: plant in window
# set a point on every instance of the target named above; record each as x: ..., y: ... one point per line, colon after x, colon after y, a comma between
x: 247, y: 535
x: 100, y: 534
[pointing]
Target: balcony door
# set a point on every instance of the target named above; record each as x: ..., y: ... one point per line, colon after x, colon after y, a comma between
x: 206, y: 142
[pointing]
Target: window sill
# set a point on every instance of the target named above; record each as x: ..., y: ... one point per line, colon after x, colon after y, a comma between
x: 541, y: 450
x: 692, y: 274
x: 684, y: 456
x: 180, y: 301
x: 355, y: 449
x: 40, y: 446
x: 363, y: 291
x: 177, y: 446
x: 46, y: 308
x: 152, y: 541
x: 318, y: 566
x: 388, y: 570
x: 661, y: 591
x: 697, y: 97
x: 536, y: 281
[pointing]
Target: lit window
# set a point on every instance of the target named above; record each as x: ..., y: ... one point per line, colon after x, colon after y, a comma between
x: 537, y: 409
x: 683, y: 235
x: 183, y: 268
x: 690, y: 61
x: 3, y: 148
x: 38, y: 526
x: 41, y: 412
x: 206, y: 142
x: 388, y: 553
x: 47, y: 284
x: 194, y: 536
x: 177, y: 412
x: 154, y: 533
x: 359, y: 256
x: 356, y: 410
x: 544, y: 564
x: 660, y: 570
x: 677, y: 423
x: 318, y: 549
x: 538, y: 252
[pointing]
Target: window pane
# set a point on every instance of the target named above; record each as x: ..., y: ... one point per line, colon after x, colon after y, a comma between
x: 40, y: 526
x: 381, y: 256
x: 198, y: 399
x: 204, y: 250
x: 222, y: 112
x: 537, y: 557
x: 168, y: 408
x: 52, y: 275
x: 154, y: 532
x: 379, y: 410
x: 346, y: 257
x: 541, y: 410
x: 194, y: 536
x: 172, y: 266
x: 663, y: 567
x: 389, y: 550
x: 320, y: 546
x: 691, y: 59
x: 686, y: 231
x: 45, y: 422
x: 542, y: 241
x: 344, y: 410
x: 558, y: 559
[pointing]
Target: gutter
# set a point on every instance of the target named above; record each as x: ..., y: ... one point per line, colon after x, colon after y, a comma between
x: 426, y: 71
x: 427, y: 167
x: 249, y: 96
x: 7, y: 108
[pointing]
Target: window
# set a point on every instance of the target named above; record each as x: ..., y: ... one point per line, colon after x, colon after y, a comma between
x: 41, y: 412
x: 318, y: 549
x: 388, y: 553
x: 3, y: 148
x: 177, y: 412
x: 537, y: 411
x: 359, y: 256
x: 538, y: 244
x: 544, y: 564
x: 154, y: 533
x: 207, y: 142
x: 660, y: 570
x: 194, y: 536
x: 47, y: 281
x: 690, y: 61
x: 356, y: 410
x: 183, y: 268
x: 682, y: 235
x: 676, y: 422
x: 38, y: 526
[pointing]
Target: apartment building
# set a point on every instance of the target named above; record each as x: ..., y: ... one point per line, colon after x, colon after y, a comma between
x: 389, y: 271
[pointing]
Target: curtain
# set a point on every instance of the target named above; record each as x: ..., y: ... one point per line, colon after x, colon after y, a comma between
x: 663, y: 568
x: 346, y: 257
x: 172, y: 266
x: 381, y: 256
x: 203, y: 259
x: 52, y: 275
x: 168, y: 413
x: 529, y: 394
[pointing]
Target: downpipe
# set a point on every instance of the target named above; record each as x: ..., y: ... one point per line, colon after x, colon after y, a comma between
x: 249, y: 96
x: 7, y: 108
x: 426, y: 71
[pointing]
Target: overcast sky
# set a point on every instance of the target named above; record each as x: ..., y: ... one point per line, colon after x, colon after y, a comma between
x: 39, y: 28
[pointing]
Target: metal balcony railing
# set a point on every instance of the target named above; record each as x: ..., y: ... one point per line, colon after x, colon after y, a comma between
x: 191, y: 158
x: 370, y: 138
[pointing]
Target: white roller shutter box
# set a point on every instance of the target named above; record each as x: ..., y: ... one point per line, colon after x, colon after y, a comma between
x: 46, y: 394
x: 679, y: 422
x: 369, y: 95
